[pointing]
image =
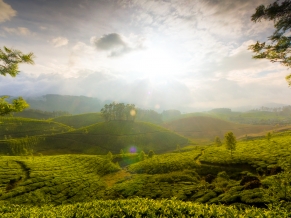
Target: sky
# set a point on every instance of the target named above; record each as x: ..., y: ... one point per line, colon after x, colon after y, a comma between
x: 158, y: 54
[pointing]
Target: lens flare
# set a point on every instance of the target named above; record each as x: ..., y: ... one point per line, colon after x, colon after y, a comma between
x: 132, y: 149
x: 133, y: 113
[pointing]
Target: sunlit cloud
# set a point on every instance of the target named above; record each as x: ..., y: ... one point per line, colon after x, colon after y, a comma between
x: 59, y: 41
x: 158, y: 54
x: 18, y: 31
x: 6, y: 12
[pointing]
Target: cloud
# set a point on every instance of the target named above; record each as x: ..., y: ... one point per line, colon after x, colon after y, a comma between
x: 109, y: 41
x: 117, y: 45
x: 59, y: 41
x: 18, y: 31
x: 6, y: 11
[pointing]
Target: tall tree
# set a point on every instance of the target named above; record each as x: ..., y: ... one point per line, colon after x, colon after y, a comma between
x: 277, y: 48
x: 9, y: 61
x: 230, y: 141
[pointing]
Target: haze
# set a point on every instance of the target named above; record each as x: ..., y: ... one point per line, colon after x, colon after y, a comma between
x: 167, y: 54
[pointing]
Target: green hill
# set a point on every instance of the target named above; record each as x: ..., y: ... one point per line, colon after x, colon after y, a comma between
x: 203, y: 127
x: 16, y: 127
x: 80, y: 120
x: 112, y: 136
x: 39, y: 114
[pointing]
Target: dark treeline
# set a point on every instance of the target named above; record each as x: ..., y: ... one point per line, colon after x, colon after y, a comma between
x: 118, y: 111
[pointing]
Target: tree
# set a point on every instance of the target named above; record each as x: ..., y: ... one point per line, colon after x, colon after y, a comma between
x: 17, y: 105
x: 218, y: 142
x: 151, y: 154
x: 230, y: 141
x: 277, y: 48
x: 118, y: 111
x: 9, y: 61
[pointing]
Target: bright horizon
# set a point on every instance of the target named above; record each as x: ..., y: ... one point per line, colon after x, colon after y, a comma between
x: 176, y: 54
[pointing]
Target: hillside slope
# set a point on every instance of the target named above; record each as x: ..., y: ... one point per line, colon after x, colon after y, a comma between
x: 16, y: 127
x: 112, y: 136
x: 80, y: 120
x: 203, y: 127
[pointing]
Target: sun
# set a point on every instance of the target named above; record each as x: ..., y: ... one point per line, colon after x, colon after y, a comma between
x: 151, y: 62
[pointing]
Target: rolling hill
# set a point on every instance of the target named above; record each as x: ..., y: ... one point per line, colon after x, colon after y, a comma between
x: 203, y: 127
x: 16, y: 127
x: 80, y: 120
x: 112, y: 136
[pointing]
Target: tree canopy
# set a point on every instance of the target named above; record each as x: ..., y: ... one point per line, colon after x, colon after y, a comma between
x: 118, y: 111
x: 9, y: 61
x: 277, y: 48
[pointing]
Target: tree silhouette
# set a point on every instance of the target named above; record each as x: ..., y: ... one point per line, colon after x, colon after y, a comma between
x: 230, y: 141
x: 118, y: 111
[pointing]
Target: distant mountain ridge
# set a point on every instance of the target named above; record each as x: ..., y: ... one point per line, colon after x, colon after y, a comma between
x: 72, y: 104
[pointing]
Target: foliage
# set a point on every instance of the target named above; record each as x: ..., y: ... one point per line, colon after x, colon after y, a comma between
x: 9, y: 60
x: 138, y: 207
x: 230, y: 141
x: 118, y: 111
x: 7, y: 108
x: 278, y: 47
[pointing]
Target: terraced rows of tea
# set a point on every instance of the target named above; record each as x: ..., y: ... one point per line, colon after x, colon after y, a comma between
x: 53, y: 179
x: 260, y: 153
x: 16, y: 127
